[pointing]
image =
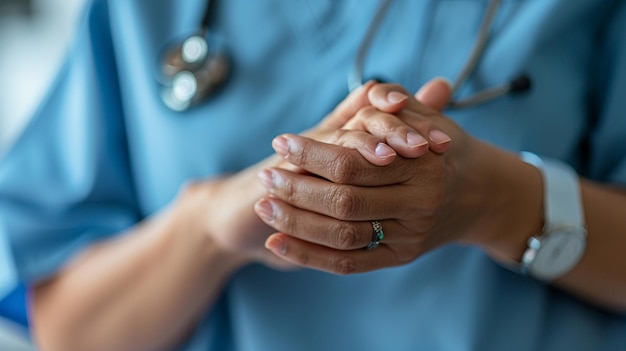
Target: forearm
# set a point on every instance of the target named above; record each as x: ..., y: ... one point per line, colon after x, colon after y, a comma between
x: 145, y: 289
x: 141, y: 291
x: 600, y: 276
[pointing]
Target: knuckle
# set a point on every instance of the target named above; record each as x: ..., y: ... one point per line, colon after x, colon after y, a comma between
x: 429, y: 215
x: 366, y: 113
x: 300, y: 152
x: 342, y: 167
x: 288, y: 190
x: 347, y: 237
x: 338, y: 136
x: 286, y: 222
x: 389, y: 123
x: 415, y: 118
x: 429, y: 211
x: 344, y: 202
x: 342, y: 265
x: 299, y: 156
x: 423, y: 121
x: 303, y: 257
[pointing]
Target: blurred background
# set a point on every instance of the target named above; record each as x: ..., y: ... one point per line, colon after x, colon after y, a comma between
x: 34, y: 35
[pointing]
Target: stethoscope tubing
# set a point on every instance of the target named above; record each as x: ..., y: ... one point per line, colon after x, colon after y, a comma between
x: 518, y: 84
x: 203, y: 85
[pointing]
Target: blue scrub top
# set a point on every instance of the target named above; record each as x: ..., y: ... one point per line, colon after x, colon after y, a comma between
x: 103, y: 152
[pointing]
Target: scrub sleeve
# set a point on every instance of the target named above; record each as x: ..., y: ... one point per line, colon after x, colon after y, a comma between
x: 607, y: 150
x: 66, y: 182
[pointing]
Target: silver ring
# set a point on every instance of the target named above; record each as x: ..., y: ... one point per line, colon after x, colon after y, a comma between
x: 377, y: 235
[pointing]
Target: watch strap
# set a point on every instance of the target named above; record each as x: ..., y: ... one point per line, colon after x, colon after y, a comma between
x: 562, y: 198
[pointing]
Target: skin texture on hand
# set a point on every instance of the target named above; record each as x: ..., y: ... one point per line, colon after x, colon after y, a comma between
x: 105, y: 300
x: 327, y: 212
x: 449, y: 194
x: 355, y: 125
x: 474, y: 193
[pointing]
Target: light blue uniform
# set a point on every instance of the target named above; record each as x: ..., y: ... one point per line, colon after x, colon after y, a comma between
x: 103, y: 152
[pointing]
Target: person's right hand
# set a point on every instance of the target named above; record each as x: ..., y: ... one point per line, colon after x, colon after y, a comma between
x: 223, y: 208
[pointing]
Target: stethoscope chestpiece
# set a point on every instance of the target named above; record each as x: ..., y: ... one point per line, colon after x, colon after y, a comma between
x: 193, y: 70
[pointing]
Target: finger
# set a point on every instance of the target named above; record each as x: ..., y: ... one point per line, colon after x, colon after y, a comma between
x: 438, y: 141
x: 313, y: 227
x: 435, y: 94
x: 379, y: 95
x: 324, y: 230
x: 395, y: 132
x: 330, y: 260
x: 369, y: 146
x: 344, y: 202
x: 273, y: 261
x: 404, y: 135
x: 337, y: 163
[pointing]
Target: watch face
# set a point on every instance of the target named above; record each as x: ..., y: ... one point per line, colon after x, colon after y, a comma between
x: 559, y: 252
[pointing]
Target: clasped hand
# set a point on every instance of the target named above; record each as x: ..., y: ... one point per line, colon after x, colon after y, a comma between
x: 322, y: 206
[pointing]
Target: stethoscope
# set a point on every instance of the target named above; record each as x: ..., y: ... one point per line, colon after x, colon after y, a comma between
x: 196, y: 68
x: 199, y: 66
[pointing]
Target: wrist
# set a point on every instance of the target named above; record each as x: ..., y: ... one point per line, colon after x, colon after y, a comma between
x: 189, y: 219
x: 514, y: 207
x: 221, y: 213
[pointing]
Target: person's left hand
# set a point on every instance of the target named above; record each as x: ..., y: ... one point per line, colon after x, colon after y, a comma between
x: 357, y: 124
x: 323, y: 218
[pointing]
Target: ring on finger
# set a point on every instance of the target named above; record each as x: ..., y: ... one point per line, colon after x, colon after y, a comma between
x: 377, y: 235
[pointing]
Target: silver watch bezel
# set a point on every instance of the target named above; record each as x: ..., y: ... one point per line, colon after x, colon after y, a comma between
x: 536, y: 247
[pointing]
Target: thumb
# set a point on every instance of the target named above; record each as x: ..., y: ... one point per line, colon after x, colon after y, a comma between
x: 435, y: 94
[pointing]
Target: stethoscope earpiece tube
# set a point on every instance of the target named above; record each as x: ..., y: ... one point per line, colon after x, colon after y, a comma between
x: 479, y: 46
x: 355, y: 77
x: 198, y: 66
x: 519, y: 84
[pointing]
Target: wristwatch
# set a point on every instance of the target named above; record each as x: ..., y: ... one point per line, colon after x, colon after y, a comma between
x: 561, y: 245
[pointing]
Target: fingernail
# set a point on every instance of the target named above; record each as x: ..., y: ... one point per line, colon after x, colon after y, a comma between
x: 396, y: 97
x: 281, y: 145
x: 276, y: 245
x: 438, y: 137
x: 415, y: 140
x: 383, y: 151
x: 265, y: 210
x: 266, y: 179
